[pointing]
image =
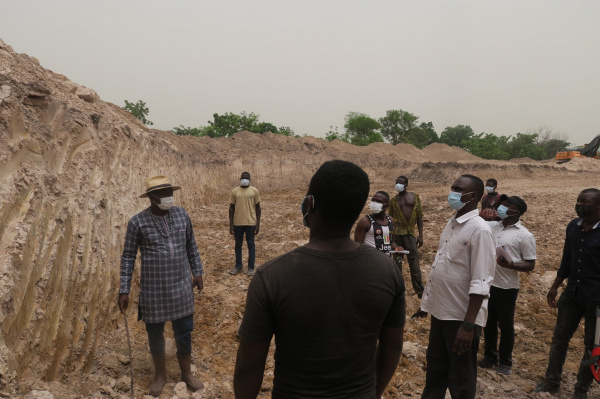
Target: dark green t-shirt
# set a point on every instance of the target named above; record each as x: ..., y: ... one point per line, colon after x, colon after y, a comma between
x: 326, y: 311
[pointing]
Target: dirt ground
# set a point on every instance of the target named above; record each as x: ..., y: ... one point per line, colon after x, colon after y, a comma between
x: 221, y: 305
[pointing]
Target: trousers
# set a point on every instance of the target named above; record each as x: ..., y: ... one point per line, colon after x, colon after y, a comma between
x: 409, y: 243
x: 182, y: 332
x: 501, y: 314
x: 445, y: 368
x: 571, y: 309
x: 240, y: 231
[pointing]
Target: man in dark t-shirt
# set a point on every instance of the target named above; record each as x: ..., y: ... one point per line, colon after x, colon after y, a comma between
x: 327, y: 303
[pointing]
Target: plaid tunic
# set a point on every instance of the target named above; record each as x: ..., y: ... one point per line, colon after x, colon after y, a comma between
x: 169, y: 251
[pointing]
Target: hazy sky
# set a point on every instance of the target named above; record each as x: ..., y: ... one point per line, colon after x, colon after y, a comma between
x: 499, y: 66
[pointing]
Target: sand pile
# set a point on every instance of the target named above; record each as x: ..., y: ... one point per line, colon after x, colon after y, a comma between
x: 438, y: 152
x: 584, y: 164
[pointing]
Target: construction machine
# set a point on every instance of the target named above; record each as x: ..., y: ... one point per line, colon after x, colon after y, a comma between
x: 589, y: 150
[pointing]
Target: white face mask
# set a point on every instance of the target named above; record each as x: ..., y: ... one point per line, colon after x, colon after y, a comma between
x: 375, y: 207
x: 399, y: 187
x: 489, y: 189
x: 245, y: 182
x: 165, y: 203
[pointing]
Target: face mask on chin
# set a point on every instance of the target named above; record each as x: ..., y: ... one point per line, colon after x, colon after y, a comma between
x: 454, y: 200
x: 165, y: 203
x: 375, y: 207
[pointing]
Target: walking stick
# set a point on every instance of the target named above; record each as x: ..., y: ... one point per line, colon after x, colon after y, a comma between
x: 130, y: 354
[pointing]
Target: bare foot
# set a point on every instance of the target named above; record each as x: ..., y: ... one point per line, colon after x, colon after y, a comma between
x: 192, y: 382
x: 157, y: 385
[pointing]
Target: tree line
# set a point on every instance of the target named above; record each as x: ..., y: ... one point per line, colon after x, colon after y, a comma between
x: 397, y: 126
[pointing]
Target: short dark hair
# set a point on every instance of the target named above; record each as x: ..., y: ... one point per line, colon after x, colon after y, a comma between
x: 402, y: 177
x: 386, y: 195
x: 245, y: 173
x: 493, y: 181
x: 476, y: 183
x: 335, y: 178
x: 594, y: 191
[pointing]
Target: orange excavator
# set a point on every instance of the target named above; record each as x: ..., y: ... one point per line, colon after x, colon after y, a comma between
x: 588, y: 151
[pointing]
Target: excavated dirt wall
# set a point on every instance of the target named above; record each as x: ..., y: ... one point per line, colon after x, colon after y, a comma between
x: 71, y: 169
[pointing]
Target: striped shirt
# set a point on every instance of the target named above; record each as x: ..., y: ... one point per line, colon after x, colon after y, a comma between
x: 169, y: 251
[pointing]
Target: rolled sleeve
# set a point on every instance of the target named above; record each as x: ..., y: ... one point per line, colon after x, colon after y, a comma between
x: 130, y: 249
x: 192, y: 250
x: 483, y: 262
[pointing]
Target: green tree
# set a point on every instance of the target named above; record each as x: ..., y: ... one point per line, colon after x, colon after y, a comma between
x: 189, y: 131
x: 398, y: 125
x: 550, y: 141
x: 286, y: 131
x: 361, y: 129
x: 333, y: 134
x: 229, y: 123
x: 455, y: 135
x: 264, y: 127
x: 524, y: 145
x: 488, y: 146
x: 422, y: 136
x: 139, y: 110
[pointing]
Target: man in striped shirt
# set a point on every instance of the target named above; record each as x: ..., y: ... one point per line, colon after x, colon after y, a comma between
x: 171, y: 267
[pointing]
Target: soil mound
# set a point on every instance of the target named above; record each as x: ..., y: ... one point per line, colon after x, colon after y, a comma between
x: 583, y: 164
x: 438, y: 152
x: 522, y: 160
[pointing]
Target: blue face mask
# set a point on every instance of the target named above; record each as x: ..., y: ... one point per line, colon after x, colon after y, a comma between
x: 454, y: 200
x: 502, y: 212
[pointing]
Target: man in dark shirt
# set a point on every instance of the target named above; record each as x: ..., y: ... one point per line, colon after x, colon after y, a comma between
x: 490, y: 201
x: 327, y: 303
x: 581, y: 266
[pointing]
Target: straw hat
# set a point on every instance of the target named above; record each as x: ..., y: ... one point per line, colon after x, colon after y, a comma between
x: 158, y: 183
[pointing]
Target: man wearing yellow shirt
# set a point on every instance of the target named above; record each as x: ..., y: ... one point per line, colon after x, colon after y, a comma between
x: 244, y: 219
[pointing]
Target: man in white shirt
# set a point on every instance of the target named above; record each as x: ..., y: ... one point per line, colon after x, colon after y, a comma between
x: 456, y: 294
x: 519, y: 245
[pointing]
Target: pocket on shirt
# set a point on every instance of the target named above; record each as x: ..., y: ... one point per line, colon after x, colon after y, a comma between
x: 457, y: 251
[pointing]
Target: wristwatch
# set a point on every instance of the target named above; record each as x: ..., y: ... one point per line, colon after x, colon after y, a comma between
x: 468, y: 325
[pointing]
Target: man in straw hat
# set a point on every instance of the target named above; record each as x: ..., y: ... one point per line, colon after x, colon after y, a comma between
x: 171, y: 267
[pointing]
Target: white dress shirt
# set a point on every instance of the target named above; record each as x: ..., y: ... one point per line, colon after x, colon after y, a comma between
x: 464, y: 265
x: 519, y: 243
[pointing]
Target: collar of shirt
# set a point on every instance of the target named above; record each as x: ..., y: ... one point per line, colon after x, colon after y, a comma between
x: 467, y: 216
x: 595, y: 226
x: 516, y: 225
